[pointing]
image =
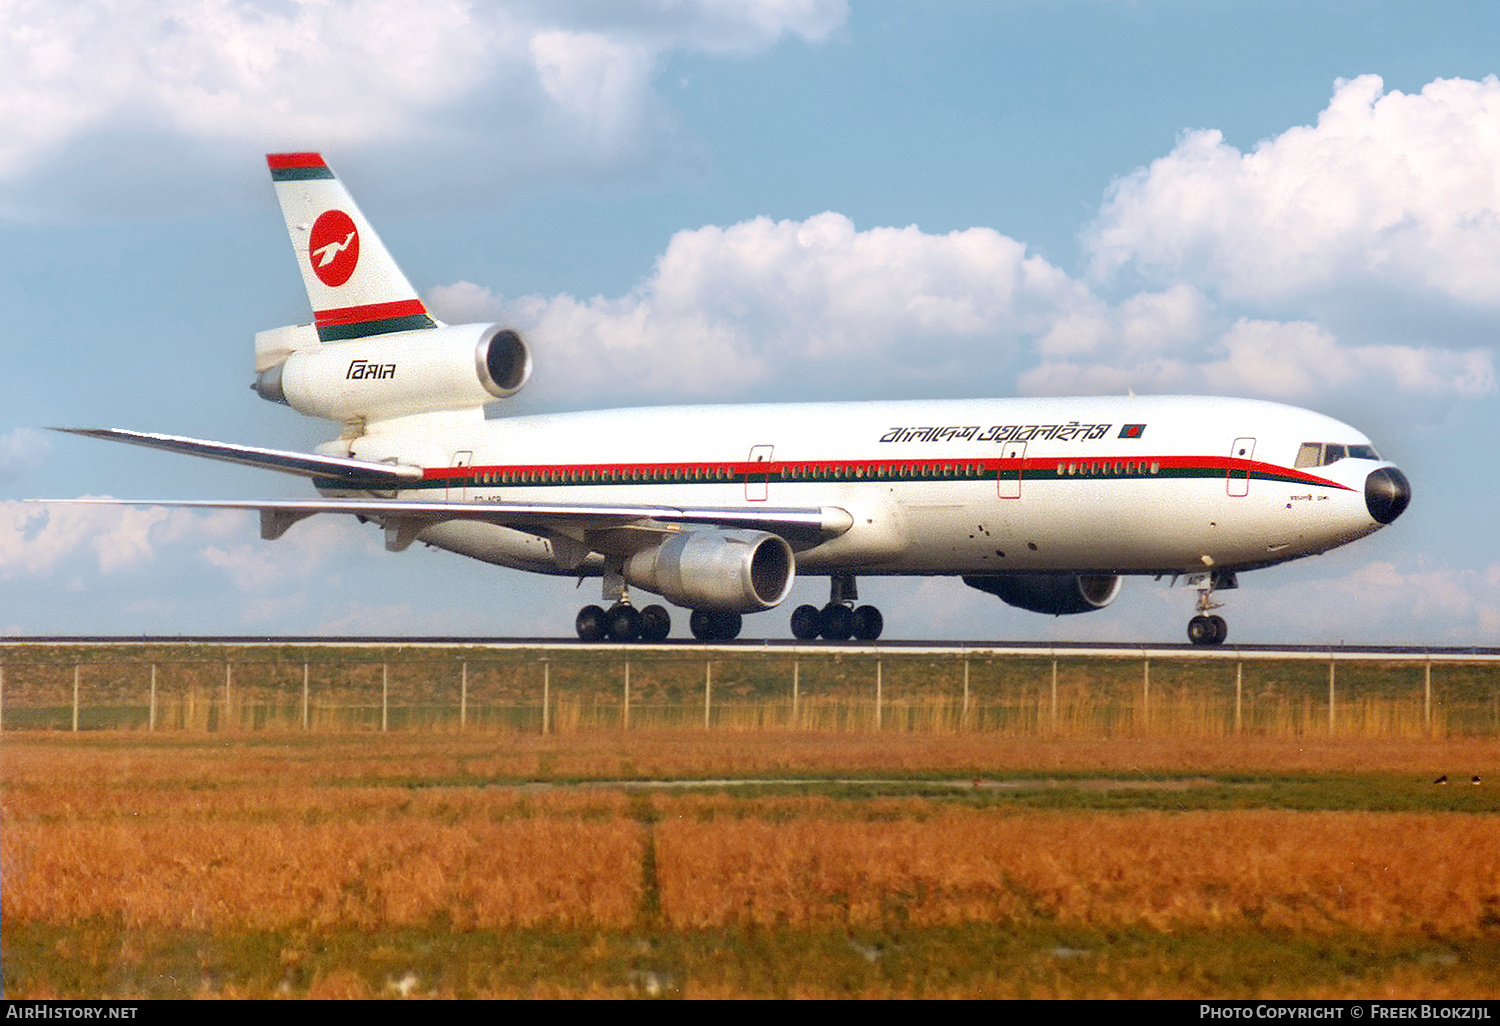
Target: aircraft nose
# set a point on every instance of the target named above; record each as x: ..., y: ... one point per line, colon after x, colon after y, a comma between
x: 1387, y: 494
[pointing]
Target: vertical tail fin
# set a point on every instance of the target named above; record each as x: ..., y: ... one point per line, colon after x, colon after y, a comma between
x: 355, y: 287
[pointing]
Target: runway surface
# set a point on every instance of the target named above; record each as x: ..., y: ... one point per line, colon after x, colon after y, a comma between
x: 789, y: 647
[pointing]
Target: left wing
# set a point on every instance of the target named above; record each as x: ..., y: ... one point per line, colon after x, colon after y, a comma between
x: 581, y: 522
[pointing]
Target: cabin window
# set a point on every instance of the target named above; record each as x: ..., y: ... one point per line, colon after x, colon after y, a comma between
x: 1155, y: 466
x: 1363, y: 452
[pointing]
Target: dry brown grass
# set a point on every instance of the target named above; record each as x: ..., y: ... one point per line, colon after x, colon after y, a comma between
x: 1302, y: 872
x: 92, y: 763
x: 530, y: 872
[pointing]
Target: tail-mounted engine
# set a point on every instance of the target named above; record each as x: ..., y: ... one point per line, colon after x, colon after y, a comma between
x: 457, y: 367
x: 731, y: 571
x: 1050, y: 593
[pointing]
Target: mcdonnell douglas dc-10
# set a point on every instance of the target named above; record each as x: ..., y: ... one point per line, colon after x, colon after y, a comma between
x: 1045, y: 503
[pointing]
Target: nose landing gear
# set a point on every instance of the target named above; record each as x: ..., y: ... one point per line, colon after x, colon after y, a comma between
x: 841, y: 619
x: 1210, y: 630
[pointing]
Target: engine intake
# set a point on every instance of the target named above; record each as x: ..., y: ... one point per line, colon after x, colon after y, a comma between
x: 1050, y: 593
x: 731, y: 571
x: 459, y: 367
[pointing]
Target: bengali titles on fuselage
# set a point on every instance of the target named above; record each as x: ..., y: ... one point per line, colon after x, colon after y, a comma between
x: 1073, y: 431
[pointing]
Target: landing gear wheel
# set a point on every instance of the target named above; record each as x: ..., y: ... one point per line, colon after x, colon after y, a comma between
x: 708, y: 625
x: 838, y: 622
x: 1221, y: 629
x: 590, y: 623
x: 806, y: 623
x: 868, y: 623
x: 1207, y: 630
x: 656, y: 623
x: 623, y: 623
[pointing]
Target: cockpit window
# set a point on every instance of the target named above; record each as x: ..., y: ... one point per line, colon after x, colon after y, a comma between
x: 1320, y: 454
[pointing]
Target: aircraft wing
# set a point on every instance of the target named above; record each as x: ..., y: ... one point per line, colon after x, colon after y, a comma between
x: 357, y: 473
x: 403, y: 519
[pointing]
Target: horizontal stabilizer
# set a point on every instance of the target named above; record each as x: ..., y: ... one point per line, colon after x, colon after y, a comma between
x: 356, y: 473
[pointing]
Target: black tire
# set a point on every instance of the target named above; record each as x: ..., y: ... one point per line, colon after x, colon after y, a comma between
x: 701, y: 624
x: 623, y: 623
x: 1201, y: 631
x: 806, y: 623
x: 868, y: 623
x: 727, y: 626
x: 838, y: 622
x: 1221, y: 629
x: 590, y: 623
x: 656, y: 623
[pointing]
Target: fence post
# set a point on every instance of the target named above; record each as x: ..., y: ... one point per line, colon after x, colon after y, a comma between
x: 1239, y: 679
x: 796, y: 682
x: 1427, y: 696
x: 877, y: 693
x: 385, y: 687
x: 1145, y: 693
x: 708, y: 689
x: 2, y: 698
x: 304, y: 694
x: 463, y: 696
x: 625, y: 711
x: 1331, y: 665
x: 963, y: 717
x: 546, y: 694
x: 76, y: 672
x: 152, y: 721
x: 228, y: 677
x: 1054, y: 694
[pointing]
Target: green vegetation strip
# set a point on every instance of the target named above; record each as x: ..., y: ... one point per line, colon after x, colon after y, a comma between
x: 108, y: 960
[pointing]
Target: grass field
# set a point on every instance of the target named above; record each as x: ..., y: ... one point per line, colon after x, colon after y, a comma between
x: 747, y: 863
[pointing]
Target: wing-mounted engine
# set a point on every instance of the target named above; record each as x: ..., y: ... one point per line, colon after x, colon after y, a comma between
x: 379, y: 377
x: 731, y: 571
x: 1050, y: 593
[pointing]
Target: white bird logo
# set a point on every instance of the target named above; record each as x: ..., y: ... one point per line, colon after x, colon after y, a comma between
x: 325, y: 254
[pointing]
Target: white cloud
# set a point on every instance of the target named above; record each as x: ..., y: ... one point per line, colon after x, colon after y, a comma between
x: 1415, y: 600
x: 36, y: 538
x: 1291, y: 360
x: 730, y: 307
x: 22, y: 450
x: 554, y: 85
x: 1391, y: 188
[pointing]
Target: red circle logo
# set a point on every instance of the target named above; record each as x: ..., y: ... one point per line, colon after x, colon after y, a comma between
x: 333, y: 247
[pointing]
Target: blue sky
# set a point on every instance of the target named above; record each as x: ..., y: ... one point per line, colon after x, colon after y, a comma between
x: 1285, y: 200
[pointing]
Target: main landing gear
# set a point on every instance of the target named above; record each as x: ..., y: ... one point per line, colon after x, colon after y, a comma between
x: 1210, y: 630
x: 623, y: 622
x: 840, y: 620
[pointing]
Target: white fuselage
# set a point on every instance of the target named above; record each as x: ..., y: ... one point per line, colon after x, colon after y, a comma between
x: 1129, y: 485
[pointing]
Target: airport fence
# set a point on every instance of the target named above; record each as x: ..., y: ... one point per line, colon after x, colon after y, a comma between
x: 570, y: 688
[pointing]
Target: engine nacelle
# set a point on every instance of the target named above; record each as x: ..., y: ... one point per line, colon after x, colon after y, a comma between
x: 459, y: 367
x: 731, y: 571
x: 1050, y: 593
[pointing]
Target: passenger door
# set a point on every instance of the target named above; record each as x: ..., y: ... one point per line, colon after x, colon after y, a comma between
x: 1240, y: 456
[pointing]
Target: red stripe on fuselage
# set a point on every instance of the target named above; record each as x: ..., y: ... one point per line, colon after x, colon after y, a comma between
x: 370, y: 312
x: 1100, y: 467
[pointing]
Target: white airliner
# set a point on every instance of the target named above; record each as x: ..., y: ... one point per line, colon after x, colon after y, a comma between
x: 1045, y: 503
